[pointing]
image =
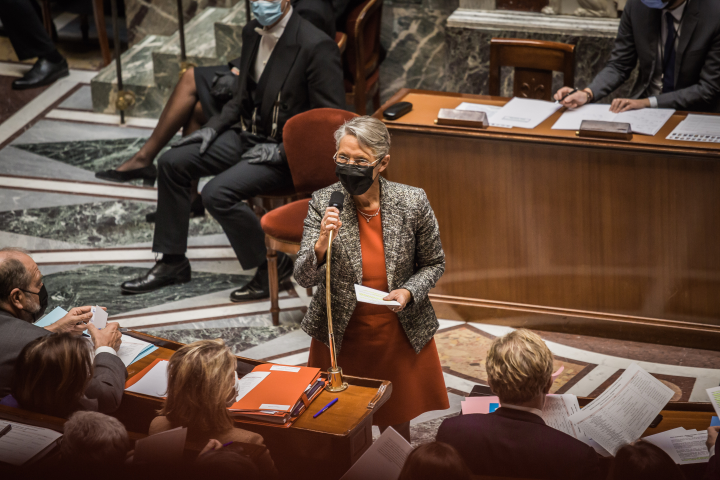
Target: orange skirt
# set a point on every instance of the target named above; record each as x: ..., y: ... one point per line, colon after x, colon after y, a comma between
x: 375, y: 346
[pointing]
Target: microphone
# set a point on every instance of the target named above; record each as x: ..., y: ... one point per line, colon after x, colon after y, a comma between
x: 336, y: 200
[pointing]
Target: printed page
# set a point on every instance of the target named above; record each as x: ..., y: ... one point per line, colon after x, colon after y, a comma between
x: 697, y: 128
x: 646, y: 121
x: 571, y: 119
x: 383, y: 460
x: 690, y: 447
x: 524, y: 113
x: 622, y: 412
x: 714, y: 396
x: 556, y: 414
x: 23, y: 442
x: 154, y: 383
x: 370, y: 295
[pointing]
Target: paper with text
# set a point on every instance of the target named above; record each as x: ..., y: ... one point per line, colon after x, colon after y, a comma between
x: 683, y: 446
x: 383, y: 460
x: 248, y: 382
x: 714, y: 396
x: 489, y: 110
x: 697, y: 128
x: 624, y: 410
x: 154, y: 383
x: 370, y: 295
x: 524, y: 113
x: 131, y: 348
x: 284, y: 368
x: 24, y: 442
x: 557, y: 411
x: 645, y: 121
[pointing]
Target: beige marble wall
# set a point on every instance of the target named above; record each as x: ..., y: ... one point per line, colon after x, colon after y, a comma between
x: 159, y: 17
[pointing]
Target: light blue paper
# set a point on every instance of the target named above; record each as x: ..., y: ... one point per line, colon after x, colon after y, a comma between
x: 51, y: 317
x: 493, y: 407
x: 145, y: 353
x: 715, y: 422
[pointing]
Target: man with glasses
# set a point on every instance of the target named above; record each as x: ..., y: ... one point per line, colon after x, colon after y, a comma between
x: 23, y: 300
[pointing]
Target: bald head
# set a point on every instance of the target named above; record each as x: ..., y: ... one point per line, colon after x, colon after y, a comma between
x: 19, y: 274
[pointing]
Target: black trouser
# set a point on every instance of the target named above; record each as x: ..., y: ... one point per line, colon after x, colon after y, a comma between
x: 22, y: 21
x: 236, y: 180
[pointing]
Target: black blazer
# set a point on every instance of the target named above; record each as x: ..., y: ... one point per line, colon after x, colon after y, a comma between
x: 513, y: 443
x: 304, y: 67
x: 697, y: 63
x: 318, y: 12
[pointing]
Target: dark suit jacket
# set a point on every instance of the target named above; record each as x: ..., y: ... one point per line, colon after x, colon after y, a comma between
x: 318, y: 12
x: 512, y: 443
x: 697, y: 63
x: 304, y: 67
x: 104, y: 391
x: 713, y: 468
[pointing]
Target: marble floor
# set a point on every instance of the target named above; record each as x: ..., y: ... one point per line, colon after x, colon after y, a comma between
x: 88, y: 236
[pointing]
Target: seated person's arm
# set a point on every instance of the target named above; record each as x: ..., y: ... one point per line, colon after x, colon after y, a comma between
x: 108, y: 382
x: 73, y: 322
x: 326, y: 88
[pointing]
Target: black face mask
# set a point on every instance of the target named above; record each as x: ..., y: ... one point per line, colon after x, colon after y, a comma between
x: 356, y: 180
x: 43, y: 297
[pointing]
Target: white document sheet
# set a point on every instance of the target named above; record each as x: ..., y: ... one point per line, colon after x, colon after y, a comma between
x: 24, y: 442
x: 524, y: 113
x: 683, y: 446
x: 556, y: 414
x: 162, y: 448
x: 714, y: 396
x: 383, y: 460
x: 490, y: 110
x: 154, y: 383
x: 99, y: 318
x: 370, y: 295
x: 130, y: 348
x: 248, y: 382
x: 646, y: 121
x: 622, y: 412
x: 697, y: 128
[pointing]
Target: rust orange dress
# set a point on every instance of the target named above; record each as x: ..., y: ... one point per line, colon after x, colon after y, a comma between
x: 375, y: 345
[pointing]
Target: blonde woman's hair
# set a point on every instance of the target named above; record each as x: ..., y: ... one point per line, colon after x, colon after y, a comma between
x: 519, y: 366
x: 200, y: 383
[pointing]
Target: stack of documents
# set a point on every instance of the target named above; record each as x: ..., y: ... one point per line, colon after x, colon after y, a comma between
x: 646, y: 121
x: 270, y: 393
x: 518, y: 112
x: 697, y: 128
x: 26, y: 444
x: 683, y: 446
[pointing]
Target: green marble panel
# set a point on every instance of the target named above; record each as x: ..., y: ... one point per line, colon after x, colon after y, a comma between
x: 228, y: 34
x: 100, y: 285
x: 237, y: 339
x: 98, y: 224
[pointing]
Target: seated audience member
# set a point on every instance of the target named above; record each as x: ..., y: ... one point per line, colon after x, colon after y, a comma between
x: 643, y: 461
x: 514, y: 441
x: 228, y: 462
x: 433, y: 461
x: 23, y: 300
x: 57, y: 375
x: 201, y: 386
x: 713, y: 468
x: 91, y: 441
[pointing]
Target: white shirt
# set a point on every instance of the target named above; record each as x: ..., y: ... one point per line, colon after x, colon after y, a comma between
x: 268, y: 40
x: 523, y: 409
x: 655, y: 87
x: 105, y: 350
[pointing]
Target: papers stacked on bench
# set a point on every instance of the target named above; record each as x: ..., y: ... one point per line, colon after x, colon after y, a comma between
x: 25, y: 444
x: 683, y: 446
x: 697, y: 128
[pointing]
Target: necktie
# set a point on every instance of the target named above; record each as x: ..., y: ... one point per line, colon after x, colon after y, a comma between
x: 669, y: 55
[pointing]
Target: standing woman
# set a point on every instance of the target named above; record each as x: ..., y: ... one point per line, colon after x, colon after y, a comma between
x: 386, y: 238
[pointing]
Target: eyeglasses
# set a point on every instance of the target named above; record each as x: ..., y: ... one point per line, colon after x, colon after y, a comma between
x: 358, y: 162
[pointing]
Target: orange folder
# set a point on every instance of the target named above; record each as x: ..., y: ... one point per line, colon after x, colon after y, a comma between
x: 280, y: 390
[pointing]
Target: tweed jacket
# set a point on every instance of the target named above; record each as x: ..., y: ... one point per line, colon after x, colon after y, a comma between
x: 414, y: 260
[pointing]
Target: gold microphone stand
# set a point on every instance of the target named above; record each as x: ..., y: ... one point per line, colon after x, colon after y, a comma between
x: 335, y: 373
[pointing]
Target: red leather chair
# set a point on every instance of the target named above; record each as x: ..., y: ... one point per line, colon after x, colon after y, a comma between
x: 362, y: 55
x: 309, y: 146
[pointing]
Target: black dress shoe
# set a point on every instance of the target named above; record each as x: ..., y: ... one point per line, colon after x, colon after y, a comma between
x: 44, y: 72
x: 148, y: 175
x: 259, y: 287
x: 196, y: 210
x: 161, y: 275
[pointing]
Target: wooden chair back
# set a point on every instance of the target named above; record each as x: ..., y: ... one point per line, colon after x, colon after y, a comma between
x: 362, y: 55
x: 533, y: 61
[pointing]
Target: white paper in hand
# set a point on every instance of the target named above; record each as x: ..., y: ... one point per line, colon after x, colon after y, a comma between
x: 370, y: 295
x: 99, y: 318
x: 383, y: 460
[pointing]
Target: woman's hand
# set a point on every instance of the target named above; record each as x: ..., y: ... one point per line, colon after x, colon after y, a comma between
x: 401, y: 296
x: 330, y: 223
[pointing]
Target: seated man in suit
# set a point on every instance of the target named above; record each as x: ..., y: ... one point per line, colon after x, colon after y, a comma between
x: 23, y: 299
x: 514, y: 441
x: 287, y: 66
x: 677, y: 44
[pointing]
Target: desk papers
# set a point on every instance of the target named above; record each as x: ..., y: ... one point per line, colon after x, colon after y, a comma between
x: 383, y: 460
x: 697, y: 128
x: 622, y: 412
x: 248, y: 382
x: 25, y: 442
x: 524, y: 113
x: 683, y: 446
x: 370, y: 295
x: 51, y: 317
x: 162, y: 448
x: 714, y: 396
x: 132, y: 349
x: 154, y: 382
x: 645, y: 121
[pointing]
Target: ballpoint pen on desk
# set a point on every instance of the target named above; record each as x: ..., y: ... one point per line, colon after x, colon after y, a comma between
x: 565, y: 96
x: 5, y: 430
x: 325, y: 408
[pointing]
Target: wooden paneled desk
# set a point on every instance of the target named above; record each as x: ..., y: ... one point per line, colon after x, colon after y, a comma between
x: 330, y: 443
x: 547, y: 230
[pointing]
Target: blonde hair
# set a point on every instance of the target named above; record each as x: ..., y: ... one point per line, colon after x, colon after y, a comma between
x: 519, y: 366
x: 200, y: 383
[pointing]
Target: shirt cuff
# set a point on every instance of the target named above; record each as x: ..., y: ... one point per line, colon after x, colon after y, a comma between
x: 653, y: 102
x: 712, y: 450
x: 105, y: 350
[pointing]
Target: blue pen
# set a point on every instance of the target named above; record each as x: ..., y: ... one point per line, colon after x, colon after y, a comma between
x: 325, y: 408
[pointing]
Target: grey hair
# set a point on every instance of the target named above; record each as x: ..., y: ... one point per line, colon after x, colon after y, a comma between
x: 13, y: 273
x: 94, y: 438
x: 370, y: 133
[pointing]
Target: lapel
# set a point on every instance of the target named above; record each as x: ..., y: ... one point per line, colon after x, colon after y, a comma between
x: 247, y: 55
x: 687, y: 27
x: 350, y: 236
x: 279, y: 64
x: 392, y: 222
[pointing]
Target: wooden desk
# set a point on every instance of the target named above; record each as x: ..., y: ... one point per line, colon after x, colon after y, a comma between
x: 547, y: 230
x: 330, y: 443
